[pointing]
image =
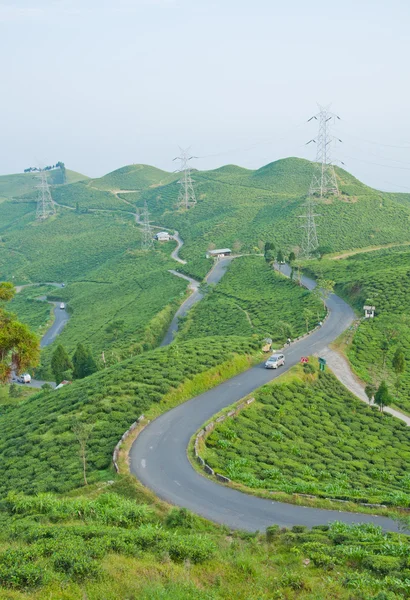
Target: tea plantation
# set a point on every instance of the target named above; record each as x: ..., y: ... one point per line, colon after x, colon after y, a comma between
x: 312, y: 436
x: 38, y: 449
x: 381, y: 278
x: 253, y: 298
x: 112, y: 544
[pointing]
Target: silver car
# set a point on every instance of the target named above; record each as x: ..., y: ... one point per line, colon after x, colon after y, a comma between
x: 275, y: 361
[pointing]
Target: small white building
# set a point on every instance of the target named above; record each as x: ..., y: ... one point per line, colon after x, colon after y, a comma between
x: 162, y: 236
x: 219, y: 253
x: 369, y: 311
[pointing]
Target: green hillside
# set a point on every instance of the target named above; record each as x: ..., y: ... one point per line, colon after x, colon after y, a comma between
x: 12, y: 186
x: 133, y: 177
x: 241, y: 209
x: 381, y: 278
x: 252, y: 298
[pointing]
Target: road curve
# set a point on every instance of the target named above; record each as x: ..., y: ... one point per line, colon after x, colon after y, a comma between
x: 158, y: 457
x: 214, y: 275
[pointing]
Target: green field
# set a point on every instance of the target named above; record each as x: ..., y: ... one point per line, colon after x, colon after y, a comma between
x: 33, y: 312
x: 380, y: 278
x: 108, y: 545
x: 312, y: 436
x: 253, y: 298
x: 37, y: 446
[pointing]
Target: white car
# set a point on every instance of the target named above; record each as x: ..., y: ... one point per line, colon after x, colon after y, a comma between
x: 25, y: 378
x: 275, y: 361
x: 62, y: 306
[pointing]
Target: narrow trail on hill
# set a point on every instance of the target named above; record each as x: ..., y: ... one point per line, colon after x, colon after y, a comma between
x: 158, y: 457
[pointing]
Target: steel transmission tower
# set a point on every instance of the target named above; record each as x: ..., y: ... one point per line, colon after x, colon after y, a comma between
x: 186, y: 196
x: 324, y: 180
x: 147, y: 239
x: 45, y: 204
x: 309, y: 240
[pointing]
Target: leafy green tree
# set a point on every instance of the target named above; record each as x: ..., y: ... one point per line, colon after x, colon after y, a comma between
x: 269, y: 252
x: 399, y: 361
x: 280, y: 258
x: 384, y: 347
x: 292, y: 257
x: 83, y: 362
x: 382, y: 397
x: 19, y: 347
x: 323, y: 289
x: 370, y: 391
x: 60, y: 363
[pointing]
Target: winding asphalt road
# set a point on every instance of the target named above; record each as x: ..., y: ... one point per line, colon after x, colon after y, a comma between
x: 158, y: 457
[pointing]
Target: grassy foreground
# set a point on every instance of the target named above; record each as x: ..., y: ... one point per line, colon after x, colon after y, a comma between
x: 112, y: 544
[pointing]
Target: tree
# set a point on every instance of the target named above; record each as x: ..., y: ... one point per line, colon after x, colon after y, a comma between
x: 19, y: 347
x: 82, y: 432
x: 384, y: 347
x: 292, y: 257
x: 83, y: 362
x: 399, y: 361
x: 269, y: 252
x: 324, y: 288
x: 382, y: 397
x: 370, y: 391
x: 280, y: 258
x: 60, y: 363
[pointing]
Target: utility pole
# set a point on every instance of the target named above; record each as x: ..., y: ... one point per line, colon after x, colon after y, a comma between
x: 324, y: 181
x: 186, y: 196
x: 147, y: 240
x: 45, y: 204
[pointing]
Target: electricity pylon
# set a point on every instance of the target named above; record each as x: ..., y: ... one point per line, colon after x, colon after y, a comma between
x: 45, y: 204
x: 324, y: 180
x: 186, y: 196
x: 309, y: 240
x: 147, y: 240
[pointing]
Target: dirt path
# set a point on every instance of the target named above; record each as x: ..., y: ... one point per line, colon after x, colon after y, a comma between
x: 341, y: 368
x: 368, y: 249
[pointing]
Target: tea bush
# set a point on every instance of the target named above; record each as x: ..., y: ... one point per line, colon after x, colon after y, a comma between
x: 314, y: 437
x: 253, y: 298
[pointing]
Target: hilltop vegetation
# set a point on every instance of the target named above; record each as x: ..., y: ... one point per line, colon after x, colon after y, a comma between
x: 19, y: 184
x: 312, y: 436
x: 381, y: 278
x: 133, y: 177
x: 253, y: 298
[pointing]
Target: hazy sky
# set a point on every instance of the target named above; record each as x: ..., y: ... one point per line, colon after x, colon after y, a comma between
x: 99, y: 84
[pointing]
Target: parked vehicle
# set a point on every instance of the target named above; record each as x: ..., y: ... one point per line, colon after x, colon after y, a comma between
x: 25, y: 378
x: 62, y: 306
x: 275, y: 361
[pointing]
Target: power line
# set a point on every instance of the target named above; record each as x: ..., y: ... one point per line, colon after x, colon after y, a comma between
x: 186, y: 196
x: 45, y: 204
x: 324, y: 177
x: 147, y: 241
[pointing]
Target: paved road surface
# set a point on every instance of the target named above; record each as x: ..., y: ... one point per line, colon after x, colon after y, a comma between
x: 61, y: 317
x: 159, y: 460
x: 213, y: 276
